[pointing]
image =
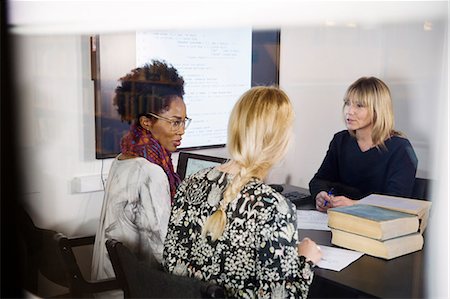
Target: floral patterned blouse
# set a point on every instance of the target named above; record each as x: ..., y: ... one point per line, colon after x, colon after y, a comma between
x: 256, y: 256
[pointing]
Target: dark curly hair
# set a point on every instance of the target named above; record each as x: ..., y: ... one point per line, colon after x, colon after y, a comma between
x: 150, y: 88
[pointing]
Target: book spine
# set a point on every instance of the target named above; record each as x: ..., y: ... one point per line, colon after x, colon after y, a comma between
x: 388, y: 249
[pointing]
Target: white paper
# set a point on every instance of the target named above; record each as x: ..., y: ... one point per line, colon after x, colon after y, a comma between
x: 337, y: 259
x: 310, y: 219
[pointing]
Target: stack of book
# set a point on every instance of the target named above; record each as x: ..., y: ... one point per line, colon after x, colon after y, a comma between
x: 380, y: 225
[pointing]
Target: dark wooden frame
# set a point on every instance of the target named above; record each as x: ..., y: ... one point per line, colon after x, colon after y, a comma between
x: 109, y: 129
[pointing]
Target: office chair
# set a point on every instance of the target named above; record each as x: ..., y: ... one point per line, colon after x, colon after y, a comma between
x: 50, y: 253
x: 421, y: 189
x: 141, y: 279
x: 78, y: 286
x: 38, y: 254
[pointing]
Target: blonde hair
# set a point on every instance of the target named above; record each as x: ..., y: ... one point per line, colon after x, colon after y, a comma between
x: 259, y: 131
x: 374, y: 94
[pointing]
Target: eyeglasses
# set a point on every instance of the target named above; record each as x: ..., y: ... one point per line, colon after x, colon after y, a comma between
x: 176, y: 123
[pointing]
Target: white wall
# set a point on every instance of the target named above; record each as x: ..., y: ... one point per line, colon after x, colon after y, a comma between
x: 57, y: 131
x: 319, y: 63
x: 437, y: 242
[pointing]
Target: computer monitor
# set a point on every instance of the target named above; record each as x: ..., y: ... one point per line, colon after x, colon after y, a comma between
x: 189, y: 163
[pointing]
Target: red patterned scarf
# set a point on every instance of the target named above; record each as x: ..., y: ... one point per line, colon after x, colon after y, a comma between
x: 141, y: 143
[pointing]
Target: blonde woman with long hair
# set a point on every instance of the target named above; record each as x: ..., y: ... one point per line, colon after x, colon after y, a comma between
x: 370, y: 156
x: 230, y: 227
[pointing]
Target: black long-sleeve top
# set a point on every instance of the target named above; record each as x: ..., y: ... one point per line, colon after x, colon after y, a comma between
x: 356, y: 174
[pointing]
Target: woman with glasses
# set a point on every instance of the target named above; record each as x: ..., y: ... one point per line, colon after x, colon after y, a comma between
x: 230, y: 227
x: 142, y: 181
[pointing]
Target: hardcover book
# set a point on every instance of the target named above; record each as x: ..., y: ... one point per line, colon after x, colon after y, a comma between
x: 373, y: 222
x: 421, y: 208
x: 387, y: 249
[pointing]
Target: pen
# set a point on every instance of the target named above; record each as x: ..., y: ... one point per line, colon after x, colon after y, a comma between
x: 330, y: 193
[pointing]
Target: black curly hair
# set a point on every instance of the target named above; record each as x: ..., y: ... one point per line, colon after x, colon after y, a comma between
x: 150, y: 88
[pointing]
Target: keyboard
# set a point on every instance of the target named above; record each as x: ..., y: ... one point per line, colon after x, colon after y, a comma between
x: 298, y: 198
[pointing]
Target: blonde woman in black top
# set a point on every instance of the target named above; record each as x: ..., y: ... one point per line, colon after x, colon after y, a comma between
x: 370, y: 156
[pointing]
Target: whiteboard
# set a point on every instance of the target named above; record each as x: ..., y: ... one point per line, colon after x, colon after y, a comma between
x: 216, y: 67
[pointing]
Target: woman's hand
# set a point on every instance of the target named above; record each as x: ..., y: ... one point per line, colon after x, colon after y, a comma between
x: 309, y: 249
x: 340, y: 201
x: 323, y: 201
